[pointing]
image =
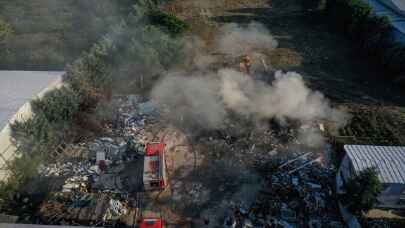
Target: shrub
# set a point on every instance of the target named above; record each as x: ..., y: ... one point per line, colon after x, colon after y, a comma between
x: 362, y: 191
x: 174, y: 25
x: 89, y: 76
x: 6, y: 31
x: 59, y: 105
x: 37, y: 136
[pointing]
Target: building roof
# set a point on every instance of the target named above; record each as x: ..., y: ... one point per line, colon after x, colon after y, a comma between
x: 397, y: 5
x: 19, y: 87
x: 389, y: 161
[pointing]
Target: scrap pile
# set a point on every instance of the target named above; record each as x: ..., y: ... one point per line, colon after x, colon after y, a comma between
x: 297, y: 194
x: 86, y: 209
x: 99, y: 189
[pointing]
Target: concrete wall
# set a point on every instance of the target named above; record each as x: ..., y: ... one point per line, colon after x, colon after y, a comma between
x: 7, y: 148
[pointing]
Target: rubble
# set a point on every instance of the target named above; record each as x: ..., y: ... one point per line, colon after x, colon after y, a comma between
x: 102, y: 187
x: 95, y: 190
x: 301, y: 198
x: 83, y: 208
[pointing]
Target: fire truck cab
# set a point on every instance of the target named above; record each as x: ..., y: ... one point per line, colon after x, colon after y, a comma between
x: 154, y: 171
x: 151, y: 223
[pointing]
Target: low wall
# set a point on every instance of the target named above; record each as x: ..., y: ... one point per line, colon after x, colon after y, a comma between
x: 7, y: 148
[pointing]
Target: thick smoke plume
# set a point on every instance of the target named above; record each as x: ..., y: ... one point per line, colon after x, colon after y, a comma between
x: 286, y: 97
x: 192, y: 100
x: 235, y: 40
x: 206, y: 98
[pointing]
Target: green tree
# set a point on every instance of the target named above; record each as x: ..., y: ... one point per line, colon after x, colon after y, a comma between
x: 174, y: 25
x: 362, y: 191
x: 89, y: 76
x: 6, y: 31
x: 59, y: 105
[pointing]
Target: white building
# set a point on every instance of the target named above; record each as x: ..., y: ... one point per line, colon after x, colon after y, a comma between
x: 390, y: 164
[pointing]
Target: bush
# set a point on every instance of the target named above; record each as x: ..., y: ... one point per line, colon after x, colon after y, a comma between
x: 6, y: 31
x: 59, y: 105
x: 371, y: 33
x: 89, y: 76
x: 362, y: 191
x: 174, y: 25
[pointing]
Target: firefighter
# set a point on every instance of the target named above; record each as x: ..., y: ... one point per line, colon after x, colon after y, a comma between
x: 245, y: 64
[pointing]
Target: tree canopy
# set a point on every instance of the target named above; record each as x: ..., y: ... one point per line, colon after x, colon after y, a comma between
x: 362, y: 191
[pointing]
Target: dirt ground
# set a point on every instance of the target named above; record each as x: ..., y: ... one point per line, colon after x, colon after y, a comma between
x: 326, y: 59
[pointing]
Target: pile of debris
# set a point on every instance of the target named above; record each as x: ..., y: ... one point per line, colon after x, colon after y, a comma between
x: 297, y: 193
x: 87, y: 209
x: 96, y: 188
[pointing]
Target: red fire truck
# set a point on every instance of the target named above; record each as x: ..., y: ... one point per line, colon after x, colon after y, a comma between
x: 154, y: 170
x: 151, y: 223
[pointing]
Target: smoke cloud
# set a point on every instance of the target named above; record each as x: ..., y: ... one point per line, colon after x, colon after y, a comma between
x: 235, y: 40
x: 191, y: 100
x: 207, y: 98
x: 286, y: 97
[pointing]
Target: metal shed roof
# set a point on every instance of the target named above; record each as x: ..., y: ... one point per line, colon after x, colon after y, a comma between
x: 397, y: 5
x: 389, y: 161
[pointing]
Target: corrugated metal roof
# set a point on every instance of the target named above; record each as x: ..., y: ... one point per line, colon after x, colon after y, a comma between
x: 397, y: 5
x: 389, y: 161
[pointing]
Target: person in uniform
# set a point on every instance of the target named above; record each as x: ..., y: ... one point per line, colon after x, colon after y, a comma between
x: 245, y: 64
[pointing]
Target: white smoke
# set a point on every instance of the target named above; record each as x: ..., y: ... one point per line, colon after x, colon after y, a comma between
x: 205, y: 99
x: 191, y: 100
x: 235, y: 40
x: 286, y: 97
